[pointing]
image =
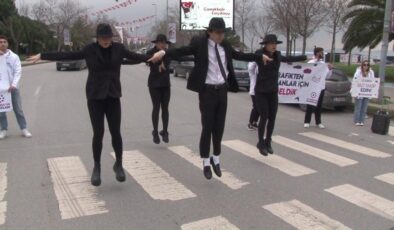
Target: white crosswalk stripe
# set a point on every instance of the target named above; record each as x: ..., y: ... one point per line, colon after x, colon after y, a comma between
x: 391, y: 131
x: 215, y: 223
x: 227, y: 178
x: 364, y: 199
x: 315, y: 152
x: 76, y: 196
x: 346, y: 145
x: 275, y: 161
x: 153, y: 179
x: 3, y: 190
x: 388, y: 178
x: 302, y: 216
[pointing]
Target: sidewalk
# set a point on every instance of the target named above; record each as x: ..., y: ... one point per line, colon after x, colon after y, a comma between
x: 373, y: 107
x: 25, y: 63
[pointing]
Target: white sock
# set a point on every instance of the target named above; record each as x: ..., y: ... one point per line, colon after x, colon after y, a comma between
x: 206, y: 162
x: 216, y: 160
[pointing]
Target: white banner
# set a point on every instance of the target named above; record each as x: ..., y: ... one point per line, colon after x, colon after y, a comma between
x: 5, y: 102
x: 366, y: 87
x: 301, y: 83
x: 196, y: 14
x: 171, y: 32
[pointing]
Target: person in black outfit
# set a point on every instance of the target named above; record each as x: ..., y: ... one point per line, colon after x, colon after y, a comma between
x: 212, y: 76
x: 159, y: 89
x: 103, y: 91
x: 266, y: 90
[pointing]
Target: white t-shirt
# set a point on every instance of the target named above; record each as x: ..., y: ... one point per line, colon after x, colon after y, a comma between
x: 253, y: 71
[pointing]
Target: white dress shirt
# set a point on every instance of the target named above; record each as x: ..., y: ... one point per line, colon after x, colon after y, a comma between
x: 214, y: 76
x: 253, y: 71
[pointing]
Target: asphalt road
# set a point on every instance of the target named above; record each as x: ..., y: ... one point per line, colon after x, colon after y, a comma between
x: 340, y: 177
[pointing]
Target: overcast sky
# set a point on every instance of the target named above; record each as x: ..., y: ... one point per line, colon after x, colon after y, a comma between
x: 144, y: 8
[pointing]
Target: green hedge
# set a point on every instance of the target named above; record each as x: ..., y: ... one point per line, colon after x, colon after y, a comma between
x: 350, y: 70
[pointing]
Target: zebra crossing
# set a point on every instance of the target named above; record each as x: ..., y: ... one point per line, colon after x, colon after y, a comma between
x: 77, y: 198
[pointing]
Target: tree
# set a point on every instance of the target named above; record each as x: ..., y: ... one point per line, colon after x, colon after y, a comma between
x: 365, y: 19
x: 307, y: 16
x: 244, y: 11
x: 336, y: 11
x: 279, y: 13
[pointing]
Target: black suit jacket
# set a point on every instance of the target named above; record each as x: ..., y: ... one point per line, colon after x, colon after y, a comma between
x: 104, y: 75
x: 267, y: 78
x: 199, y: 48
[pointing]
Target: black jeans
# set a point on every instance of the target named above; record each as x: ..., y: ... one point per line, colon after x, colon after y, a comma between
x: 254, y: 114
x: 316, y: 109
x: 213, y: 108
x: 267, y: 106
x: 110, y: 108
x: 160, y: 98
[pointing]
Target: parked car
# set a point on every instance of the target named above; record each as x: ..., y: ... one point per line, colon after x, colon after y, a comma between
x: 241, y: 73
x: 337, y: 94
x: 172, y: 65
x: 183, y: 69
x: 71, y: 65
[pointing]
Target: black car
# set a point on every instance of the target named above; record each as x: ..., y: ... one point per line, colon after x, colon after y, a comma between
x: 241, y: 73
x: 71, y: 65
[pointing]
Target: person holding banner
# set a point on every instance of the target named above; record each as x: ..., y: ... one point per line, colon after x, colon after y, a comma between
x: 103, y: 91
x: 254, y: 114
x: 318, y: 58
x: 212, y: 77
x: 266, y: 90
x: 361, y: 103
x: 11, y: 72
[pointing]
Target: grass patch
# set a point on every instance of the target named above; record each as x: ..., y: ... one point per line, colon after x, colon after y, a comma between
x: 350, y: 70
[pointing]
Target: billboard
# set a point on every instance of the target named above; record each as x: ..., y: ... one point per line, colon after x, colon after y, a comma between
x: 195, y: 14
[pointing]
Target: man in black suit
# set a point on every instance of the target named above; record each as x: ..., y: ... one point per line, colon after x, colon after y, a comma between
x: 212, y: 76
x: 103, y: 91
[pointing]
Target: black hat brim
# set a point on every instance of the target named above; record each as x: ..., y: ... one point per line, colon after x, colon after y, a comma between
x: 156, y: 41
x: 109, y: 35
x: 265, y: 42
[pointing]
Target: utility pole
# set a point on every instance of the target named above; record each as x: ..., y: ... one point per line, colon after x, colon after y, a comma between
x: 385, y: 46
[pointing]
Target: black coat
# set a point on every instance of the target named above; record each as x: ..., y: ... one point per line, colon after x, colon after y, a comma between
x: 199, y: 48
x: 268, y: 76
x: 156, y: 78
x: 104, y: 75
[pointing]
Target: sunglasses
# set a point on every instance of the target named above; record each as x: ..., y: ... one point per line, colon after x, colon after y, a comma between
x: 365, y: 64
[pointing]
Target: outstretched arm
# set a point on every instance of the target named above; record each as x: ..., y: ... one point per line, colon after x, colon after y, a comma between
x: 56, y: 56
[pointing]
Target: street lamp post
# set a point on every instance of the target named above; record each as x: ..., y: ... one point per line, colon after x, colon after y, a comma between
x: 385, y: 46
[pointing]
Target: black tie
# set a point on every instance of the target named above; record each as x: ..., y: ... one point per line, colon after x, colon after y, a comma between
x: 220, y: 62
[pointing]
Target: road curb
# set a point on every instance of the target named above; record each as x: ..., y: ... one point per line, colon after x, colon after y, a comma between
x: 37, y: 63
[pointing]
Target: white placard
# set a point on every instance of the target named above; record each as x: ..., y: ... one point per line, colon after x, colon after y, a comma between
x: 301, y: 83
x: 365, y: 87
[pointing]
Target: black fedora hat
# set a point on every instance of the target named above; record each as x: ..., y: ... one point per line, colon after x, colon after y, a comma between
x: 104, y: 30
x: 161, y: 38
x: 270, y: 38
x: 216, y: 24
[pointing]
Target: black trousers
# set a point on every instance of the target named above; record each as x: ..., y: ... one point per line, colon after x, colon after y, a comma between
x: 314, y: 109
x: 213, y: 108
x: 160, y: 99
x: 254, y: 114
x: 267, y: 106
x: 111, y: 109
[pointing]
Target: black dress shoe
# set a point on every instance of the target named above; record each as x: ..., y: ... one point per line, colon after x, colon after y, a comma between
x: 119, y: 172
x: 268, y: 146
x: 207, y: 172
x: 262, y: 149
x: 216, y: 168
x: 96, y: 178
x: 164, y: 136
x: 156, y: 138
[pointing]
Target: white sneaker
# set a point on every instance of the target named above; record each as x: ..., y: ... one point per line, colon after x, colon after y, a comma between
x: 361, y: 124
x: 26, y: 133
x: 307, y: 125
x: 3, y: 134
x: 358, y: 124
x: 321, y: 126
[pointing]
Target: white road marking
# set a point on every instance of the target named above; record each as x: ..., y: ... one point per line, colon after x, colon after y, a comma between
x: 302, y: 216
x: 71, y: 181
x: 37, y: 92
x: 275, y: 161
x: 315, y: 152
x: 227, y: 177
x: 388, y: 178
x: 364, y: 199
x: 153, y: 179
x: 215, y: 223
x: 346, y: 145
x: 3, y: 190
